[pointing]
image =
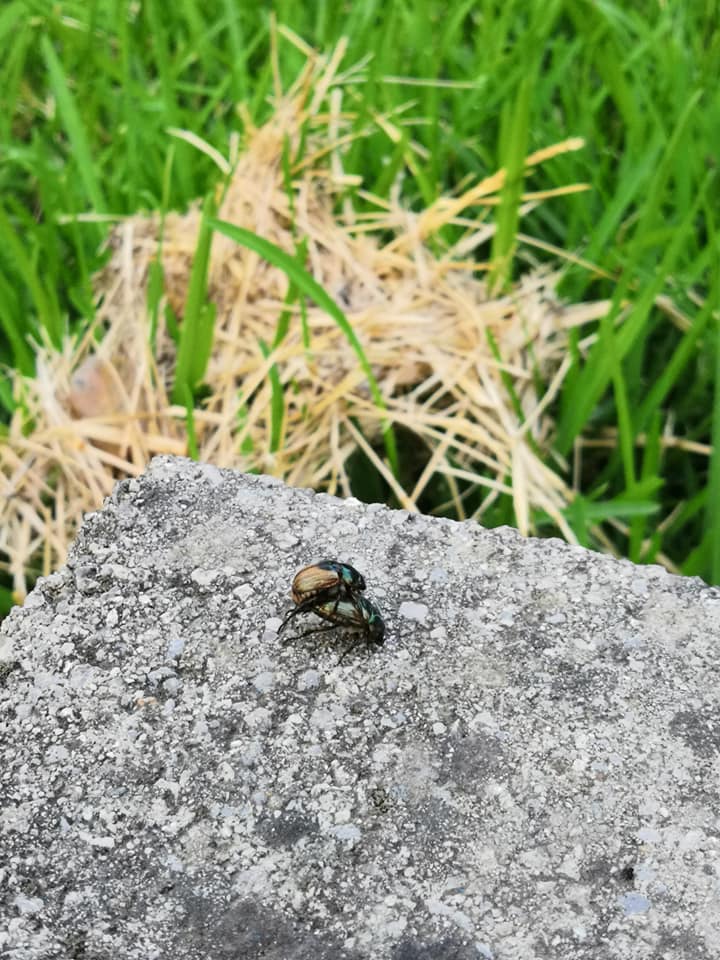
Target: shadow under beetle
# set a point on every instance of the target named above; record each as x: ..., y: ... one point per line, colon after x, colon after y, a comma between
x: 333, y: 591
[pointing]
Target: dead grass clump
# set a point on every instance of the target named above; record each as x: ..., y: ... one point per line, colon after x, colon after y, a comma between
x: 423, y: 313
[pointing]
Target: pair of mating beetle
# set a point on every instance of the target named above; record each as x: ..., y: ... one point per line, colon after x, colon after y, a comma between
x: 334, y: 591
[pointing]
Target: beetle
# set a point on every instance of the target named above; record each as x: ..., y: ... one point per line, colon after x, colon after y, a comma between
x: 358, y: 614
x: 328, y: 580
x: 334, y: 591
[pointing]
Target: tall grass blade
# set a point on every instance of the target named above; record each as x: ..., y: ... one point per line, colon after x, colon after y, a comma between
x: 307, y: 285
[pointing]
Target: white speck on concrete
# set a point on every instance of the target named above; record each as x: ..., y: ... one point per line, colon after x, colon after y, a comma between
x: 308, y: 680
x: 175, y: 647
x: 634, y: 904
x: 205, y: 578
x: 27, y: 905
x: 211, y: 474
x: 507, y: 617
x: 413, y: 611
x: 106, y: 843
x: 264, y: 682
x: 347, y: 832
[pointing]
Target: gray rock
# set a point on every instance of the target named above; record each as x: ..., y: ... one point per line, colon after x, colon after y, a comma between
x: 529, y: 768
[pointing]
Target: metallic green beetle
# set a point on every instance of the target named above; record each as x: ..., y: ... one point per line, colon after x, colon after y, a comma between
x: 333, y: 591
x: 328, y: 580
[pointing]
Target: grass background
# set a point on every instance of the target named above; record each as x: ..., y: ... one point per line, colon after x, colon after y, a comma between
x: 88, y: 90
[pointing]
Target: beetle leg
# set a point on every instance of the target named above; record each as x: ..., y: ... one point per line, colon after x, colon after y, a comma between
x: 300, y: 608
x: 309, y: 633
x: 293, y: 613
x: 355, y: 643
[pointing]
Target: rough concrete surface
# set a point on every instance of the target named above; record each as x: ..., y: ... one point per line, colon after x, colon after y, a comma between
x: 529, y: 768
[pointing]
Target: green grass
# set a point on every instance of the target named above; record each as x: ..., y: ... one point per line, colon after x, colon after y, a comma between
x: 88, y: 91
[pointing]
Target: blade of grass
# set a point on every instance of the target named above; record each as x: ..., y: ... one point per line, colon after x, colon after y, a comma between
x: 620, y: 508
x: 509, y: 385
x: 584, y: 511
x: 514, y: 133
x: 13, y: 328
x: 165, y: 68
x: 277, y: 402
x: 681, y: 356
x: 156, y: 283
x: 597, y: 372
x: 197, y: 329
x: 16, y: 36
x: 291, y: 297
x: 45, y: 306
x: 308, y: 286
x: 652, y: 458
x: 712, y: 512
x: 188, y: 401
x: 626, y: 433
x: 74, y: 128
x: 7, y: 602
x: 6, y: 398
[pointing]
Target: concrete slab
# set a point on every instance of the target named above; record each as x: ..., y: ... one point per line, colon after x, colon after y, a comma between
x: 528, y: 768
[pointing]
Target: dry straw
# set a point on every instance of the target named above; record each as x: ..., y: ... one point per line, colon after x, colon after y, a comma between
x: 97, y: 411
